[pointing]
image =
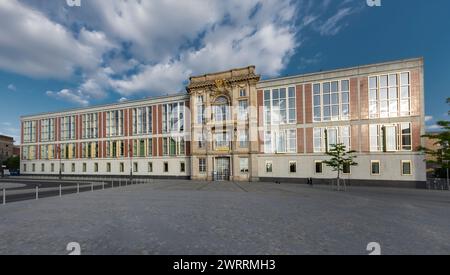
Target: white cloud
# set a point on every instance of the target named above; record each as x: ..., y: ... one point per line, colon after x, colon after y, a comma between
x: 12, y: 87
x: 76, y: 97
x: 428, y: 118
x: 123, y: 99
x: 33, y: 45
x: 152, y: 47
x: 434, y: 127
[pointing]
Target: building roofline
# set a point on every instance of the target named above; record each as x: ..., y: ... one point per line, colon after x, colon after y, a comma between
x: 343, y: 69
x: 105, y: 105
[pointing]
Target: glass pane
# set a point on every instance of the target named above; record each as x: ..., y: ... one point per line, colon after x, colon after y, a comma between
x: 404, y: 78
x: 326, y: 88
x: 316, y: 89
x: 373, y: 82
x: 406, y: 168
x: 334, y: 98
x: 266, y: 95
x: 326, y: 99
x: 276, y: 94
x: 375, y: 168
x: 316, y: 100
x: 405, y: 92
x: 373, y: 95
x: 345, y: 97
x: 383, y: 81
x: 335, y: 110
x: 344, y: 85
x: 292, y: 92
x: 393, y: 80
x: 334, y: 87
x: 283, y: 93
x: 383, y: 94
x: 345, y: 110
x: 326, y: 111
x: 393, y: 93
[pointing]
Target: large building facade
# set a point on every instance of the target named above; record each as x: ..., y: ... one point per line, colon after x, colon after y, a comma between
x: 234, y: 126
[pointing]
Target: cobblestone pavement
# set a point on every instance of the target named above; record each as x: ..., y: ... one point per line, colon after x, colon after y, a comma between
x: 188, y: 217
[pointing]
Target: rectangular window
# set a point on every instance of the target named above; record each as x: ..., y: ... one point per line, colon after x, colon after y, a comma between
x: 269, y: 167
x: 331, y: 101
x: 108, y: 167
x: 89, y: 126
x: 48, y: 129
x: 280, y: 106
x: 42, y: 167
x: 243, y: 138
x: 52, y: 167
x: 389, y: 95
x: 202, y: 165
x: 243, y: 164
x: 73, y: 167
x: 33, y: 167
x: 142, y: 120
x: 96, y: 167
x: 292, y: 167
x: 326, y: 138
x: 173, y: 117
x: 63, y: 168
x: 200, y: 110
x: 406, y: 168
x: 242, y: 92
x: 135, y: 167
x: 406, y: 136
x: 319, y: 167
x: 281, y: 141
x: 24, y: 167
x: 122, y: 167
x: 375, y: 167
x: 346, y: 169
x: 84, y: 167
x: 114, y: 123
x: 243, y: 110
x: 182, y: 167
x: 166, y: 167
x: 150, y: 167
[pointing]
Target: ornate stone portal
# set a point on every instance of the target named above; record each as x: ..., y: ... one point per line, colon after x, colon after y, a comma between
x: 224, y: 125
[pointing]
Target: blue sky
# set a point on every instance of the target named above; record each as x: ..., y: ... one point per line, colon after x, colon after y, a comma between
x: 54, y: 57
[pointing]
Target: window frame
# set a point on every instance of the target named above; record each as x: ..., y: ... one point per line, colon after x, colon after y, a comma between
x: 371, y: 167
x: 410, y: 167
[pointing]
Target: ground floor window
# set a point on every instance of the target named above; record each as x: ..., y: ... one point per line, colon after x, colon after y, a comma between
x: 269, y: 167
x: 108, y: 167
x: 202, y: 165
x: 84, y: 167
x: 375, y: 167
x: 73, y: 167
x: 135, y: 167
x: 150, y: 167
x: 319, y: 167
x: 121, y: 168
x: 96, y: 167
x: 406, y: 168
x: 42, y: 167
x: 346, y: 169
x: 292, y: 167
x: 33, y: 168
x: 63, y: 168
x: 52, y: 167
x: 166, y: 167
x: 24, y: 167
x: 182, y: 167
x: 243, y: 165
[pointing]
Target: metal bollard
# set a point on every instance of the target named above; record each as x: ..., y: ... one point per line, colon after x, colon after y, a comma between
x: 92, y: 187
x: 37, y: 192
x: 4, y: 196
x: 60, y: 191
x: 103, y: 185
x: 78, y: 188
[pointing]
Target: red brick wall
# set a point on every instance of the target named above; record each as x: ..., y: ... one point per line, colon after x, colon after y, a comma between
x: 355, y: 138
x: 154, y: 121
x: 159, y: 119
x: 364, y: 139
x: 127, y: 148
x: 160, y: 146
x: 354, y: 104
x: 364, y: 88
x: 299, y: 95
x: 308, y: 103
x: 416, y: 137
x: 416, y: 105
x: 300, y: 141
x: 309, y: 142
x: 155, y: 147
x: 38, y: 131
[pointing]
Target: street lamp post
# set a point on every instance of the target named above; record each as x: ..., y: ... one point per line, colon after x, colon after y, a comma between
x: 60, y: 157
x: 130, y: 152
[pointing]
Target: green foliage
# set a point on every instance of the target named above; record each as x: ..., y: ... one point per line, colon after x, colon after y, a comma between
x: 13, y: 163
x: 340, y: 157
x: 440, y: 156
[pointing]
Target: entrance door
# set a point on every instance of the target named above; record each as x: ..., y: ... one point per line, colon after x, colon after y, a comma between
x: 222, y: 169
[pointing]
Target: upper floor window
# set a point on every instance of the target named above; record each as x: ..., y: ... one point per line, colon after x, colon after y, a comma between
x: 67, y: 131
x: 331, y: 101
x: 174, y: 146
x: 173, y: 117
x: 390, y: 137
x: 48, y: 129
x: 242, y: 93
x: 243, y: 110
x: 200, y: 110
x: 280, y: 141
x: 90, y: 126
x: 142, y: 120
x: 389, y: 95
x: 114, y: 123
x: 325, y: 138
x: 222, y: 109
x: 29, y: 131
x: 280, y: 106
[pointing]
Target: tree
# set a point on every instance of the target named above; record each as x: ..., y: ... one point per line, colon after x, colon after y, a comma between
x: 12, y: 163
x: 441, y: 155
x: 340, y: 158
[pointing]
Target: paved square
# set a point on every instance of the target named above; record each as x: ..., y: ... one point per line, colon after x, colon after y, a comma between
x: 188, y: 217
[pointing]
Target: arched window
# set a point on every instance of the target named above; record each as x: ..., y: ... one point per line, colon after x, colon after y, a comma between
x: 222, y: 108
